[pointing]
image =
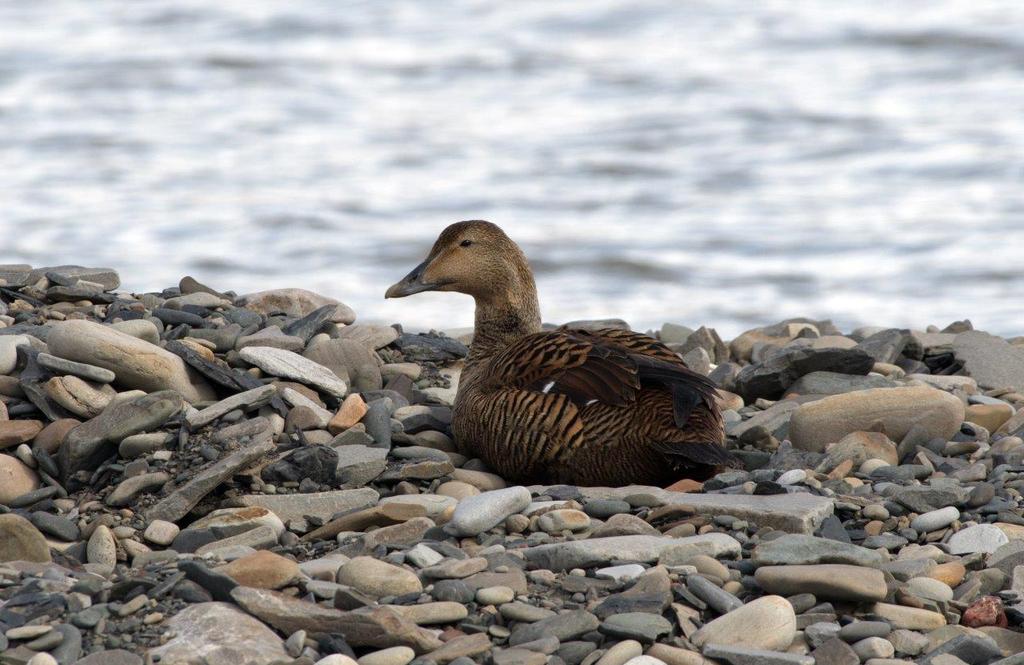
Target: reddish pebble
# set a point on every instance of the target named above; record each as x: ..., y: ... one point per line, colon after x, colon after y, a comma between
x: 685, y: 485
x: 987, y: 611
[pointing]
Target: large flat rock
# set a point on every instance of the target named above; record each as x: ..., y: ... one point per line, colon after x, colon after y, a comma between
x: 295, y: 507
x: 642, y: 549
x: 793, y: 513
x: 990, y: 360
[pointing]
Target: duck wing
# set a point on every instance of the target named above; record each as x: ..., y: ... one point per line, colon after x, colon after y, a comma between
x: 607, y: 366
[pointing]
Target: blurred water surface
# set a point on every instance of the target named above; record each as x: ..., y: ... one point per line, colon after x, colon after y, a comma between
x: 717, y: 161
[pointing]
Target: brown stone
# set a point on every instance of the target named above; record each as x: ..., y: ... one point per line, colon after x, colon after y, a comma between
x: 987, y: 611
x: 385, y: 514
x: 50, y: 438
x: 16, y: 432
x: 20, y: 541
x: 262, y: 570
x: 951, y: 574
x: 989, y: 416
x: 685, y: 485
x: 351, y: 412
x: 15, y: 478
x: 461, y: 645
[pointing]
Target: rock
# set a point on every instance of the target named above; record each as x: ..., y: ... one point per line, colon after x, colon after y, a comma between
x: 350, y: 360
x: 477, y: 514
x: 834, y: 383
x: 744, y: 656
x: 798, y: 549
x: 772, y: 377
x: 16, y: 479
x: 52, y: 436
x: 352, y: 410
x: 829, y: 581
x: 129, y: 489
x: 358, y: 465
x: 87, y: 445
x: 135, y: 363
x: 989, y: 416
x: 640, y: 626
x: 20, y: 541
x: 289, y: 365
x: 557, y: 521
x: 929, y: 589
x: 910, y: 618
x: 427, y: 614
x: 987, y: 611
x: 379, y: 627
x: 207, y: 633
x: 177, y: 504
x: 111, y: 657
x: 377, y: 578
x: 935, y: 519
x: 565, y: 627
x: 262, y: 570
x: 293, y: 508
x: 495, y: 595
x: 16, y: 432
x: 835, y: 651
x: 294, y: 303
x: 246, y: 401
x: 985, y: 538
x: 816, y: 424
x: 793, y: 513
x: 161, y: 532
x: 766, y: 623
x: 81, y: 370
x: 102, y: 548
x: 990, y: 360
x: 602, y: 551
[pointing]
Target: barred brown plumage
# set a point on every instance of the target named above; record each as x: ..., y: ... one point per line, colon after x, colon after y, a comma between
x: 586, y: 407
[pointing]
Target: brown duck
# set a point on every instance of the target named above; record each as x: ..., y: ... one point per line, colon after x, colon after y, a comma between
x: 584, y: 407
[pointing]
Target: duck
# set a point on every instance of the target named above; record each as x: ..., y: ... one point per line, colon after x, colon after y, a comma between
x: 578, y: 406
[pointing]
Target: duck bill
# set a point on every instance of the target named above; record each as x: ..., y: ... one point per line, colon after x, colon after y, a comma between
x: 411, y: 283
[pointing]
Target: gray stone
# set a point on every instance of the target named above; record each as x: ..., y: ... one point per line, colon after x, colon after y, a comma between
x: 745, y: 656
x: 177, y: 504
x: 985, y: 538
x: 772, y: 377
x: 294, y: 508
x: 833, y: 383
x: 111, y: 657
x: 602, y: 551
x: 565, y: 627
x: 207, y: 633
x: 794, y: 513
x: 63, y: 366
x: 127, y: 490
x: 795, y: 549
x: 935, y: 519
x: 766, y: 623
x: 289, y: 365
x: 358, y: 465
x: 639, y: 626
x: 350, y: 360
x: 990, y: 360
x: 248, y: 400
x: 476, y: 514
x: 88, y: 444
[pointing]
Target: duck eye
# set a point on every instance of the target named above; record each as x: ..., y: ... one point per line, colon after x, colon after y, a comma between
x: 465, y: 243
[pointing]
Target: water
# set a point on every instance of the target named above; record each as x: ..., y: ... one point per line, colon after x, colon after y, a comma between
x: 719, y: 162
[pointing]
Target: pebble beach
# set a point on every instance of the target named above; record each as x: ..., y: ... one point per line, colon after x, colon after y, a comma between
x: 201, y: 477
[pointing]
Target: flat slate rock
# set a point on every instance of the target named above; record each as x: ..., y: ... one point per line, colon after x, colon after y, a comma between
x: 176, y: 505
x: 793, y: 513
x: 294, y: 508
x: 990, y: 360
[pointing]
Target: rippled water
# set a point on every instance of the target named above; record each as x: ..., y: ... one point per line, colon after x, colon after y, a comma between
x: 720, y: 162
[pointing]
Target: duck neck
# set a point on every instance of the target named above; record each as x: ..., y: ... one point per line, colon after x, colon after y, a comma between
x: 504, y: 319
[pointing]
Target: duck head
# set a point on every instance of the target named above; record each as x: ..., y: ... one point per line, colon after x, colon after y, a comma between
x: 475, y: 258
